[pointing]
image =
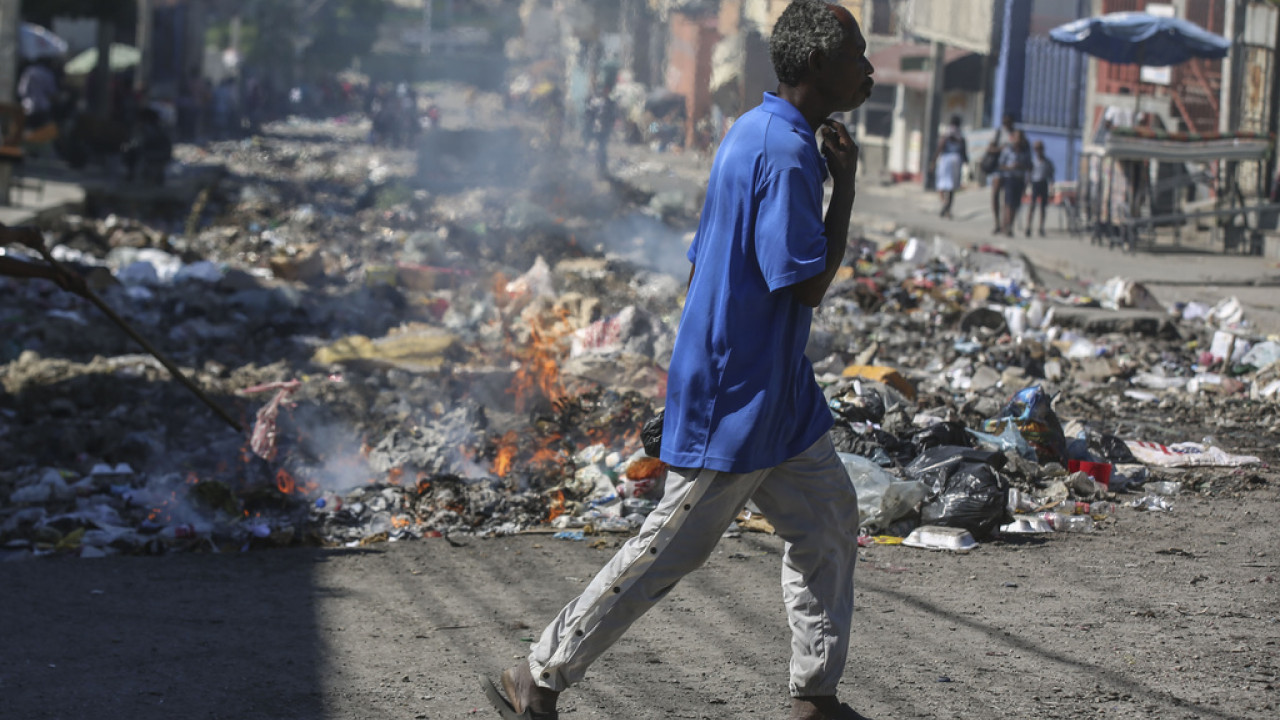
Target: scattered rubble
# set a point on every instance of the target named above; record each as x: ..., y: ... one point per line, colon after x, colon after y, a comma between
x: 481, y: 362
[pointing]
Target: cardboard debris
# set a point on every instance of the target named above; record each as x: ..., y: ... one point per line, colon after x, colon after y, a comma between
x: 881, y: 374
x: 420, y: 349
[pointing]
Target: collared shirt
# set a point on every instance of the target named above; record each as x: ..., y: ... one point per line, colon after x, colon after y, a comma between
x: 741, y: 395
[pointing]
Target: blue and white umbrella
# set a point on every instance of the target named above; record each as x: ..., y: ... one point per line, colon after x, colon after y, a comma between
x: 36, y: 42
x: 1136, y: 38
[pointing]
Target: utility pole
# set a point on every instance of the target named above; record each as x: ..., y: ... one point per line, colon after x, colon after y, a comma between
x: 426, y: 27
x: 1232, y: 65
x: 10, y: 21
x: 142, y: 78
x: 932, y: 113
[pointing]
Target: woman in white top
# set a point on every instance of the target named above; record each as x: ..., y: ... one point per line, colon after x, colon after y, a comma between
x: 948, y: 164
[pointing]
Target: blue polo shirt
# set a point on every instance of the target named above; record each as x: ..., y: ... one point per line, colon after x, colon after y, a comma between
x: 741, y: 395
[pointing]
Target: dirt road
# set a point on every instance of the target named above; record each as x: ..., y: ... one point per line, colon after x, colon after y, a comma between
x: 1155, y: 615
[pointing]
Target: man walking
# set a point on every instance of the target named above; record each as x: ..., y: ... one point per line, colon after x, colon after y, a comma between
x: 745, y: 419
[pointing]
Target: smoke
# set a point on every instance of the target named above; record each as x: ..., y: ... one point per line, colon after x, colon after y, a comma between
x: 645, y: 241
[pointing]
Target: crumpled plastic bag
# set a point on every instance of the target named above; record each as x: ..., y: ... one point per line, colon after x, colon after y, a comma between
x: 604, y: 336
x: 1031, y: 411
x: 536, y: 282
x: 1227, y: 313
x: 966, y: 488
x: 1009, y: 439
x: 1262, y: 355
x: 1187, y: 454
x: 882, y: 497
x: 1124, y: 293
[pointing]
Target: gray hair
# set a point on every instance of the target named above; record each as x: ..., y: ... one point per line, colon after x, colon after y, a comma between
x: 804, y: 26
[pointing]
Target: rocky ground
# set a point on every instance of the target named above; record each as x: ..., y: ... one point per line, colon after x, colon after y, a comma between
x: 415, y: 387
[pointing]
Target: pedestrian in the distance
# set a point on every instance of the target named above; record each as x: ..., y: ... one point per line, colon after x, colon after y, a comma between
x: 1042, y: 178
x: 744, y: 417
x: 952, y: 155
x: 991, y: 165
x: 1015, y: 164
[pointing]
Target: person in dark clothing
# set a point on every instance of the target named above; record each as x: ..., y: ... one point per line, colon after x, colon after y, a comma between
x: 1015, y: 163
x: 149, y: 149
x: 997, y: 145
x: 601, y: 114
x: 1041, y: 177
x: 38, y: 93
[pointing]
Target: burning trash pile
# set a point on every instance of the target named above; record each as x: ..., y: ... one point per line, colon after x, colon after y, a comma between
x: 403, y: 364
x: 408, y: 364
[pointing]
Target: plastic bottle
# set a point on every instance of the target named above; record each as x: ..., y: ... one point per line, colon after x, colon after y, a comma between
x: 1074, y: 523
x: 1164, y: 487
x: 1102, y: 509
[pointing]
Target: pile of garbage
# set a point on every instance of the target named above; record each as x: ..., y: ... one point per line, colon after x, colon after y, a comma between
x: 411, y: 364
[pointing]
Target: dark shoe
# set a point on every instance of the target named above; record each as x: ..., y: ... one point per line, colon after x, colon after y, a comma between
x: 525, y: 700
x: 1028, y: 232
x: 1041, y: 232
x: 825, y: 707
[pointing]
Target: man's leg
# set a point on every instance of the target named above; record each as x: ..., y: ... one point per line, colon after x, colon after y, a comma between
x: 811, y: 502
x: 677, y: 537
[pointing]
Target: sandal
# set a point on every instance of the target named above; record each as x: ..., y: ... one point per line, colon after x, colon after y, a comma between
x: 508, y: 710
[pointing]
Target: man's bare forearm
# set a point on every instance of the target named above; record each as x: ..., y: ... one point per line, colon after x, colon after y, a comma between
x: 836, y: 227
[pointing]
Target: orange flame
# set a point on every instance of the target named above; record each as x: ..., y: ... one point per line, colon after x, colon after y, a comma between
x: 285, y: 482
x: 506, y: 455
x: 557, y: 506
x: 547, y: 455
x: 540, y: 361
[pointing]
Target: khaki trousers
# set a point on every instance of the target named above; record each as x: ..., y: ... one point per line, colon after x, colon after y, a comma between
x: 811, y: 502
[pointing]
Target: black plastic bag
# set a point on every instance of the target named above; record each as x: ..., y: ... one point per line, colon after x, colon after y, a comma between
x: 865, y: 408
x: 1115, y: 450
x: 882, y: 448
x: 943, y: 433
x: 966, y: 488
x: 651, y: 435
